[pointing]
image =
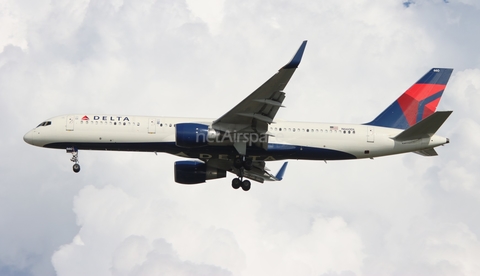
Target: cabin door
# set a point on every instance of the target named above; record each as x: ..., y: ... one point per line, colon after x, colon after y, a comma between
x: 151, y: 126
x: 70, y: 123
x: 370, y: 134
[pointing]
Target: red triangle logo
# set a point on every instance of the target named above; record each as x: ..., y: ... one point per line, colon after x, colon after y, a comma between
x: 84, y: 118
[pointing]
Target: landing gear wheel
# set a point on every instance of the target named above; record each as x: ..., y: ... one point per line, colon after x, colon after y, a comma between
x: 246, y: 185
x: 248, y: 164
x: 236, y: 183
x: 76, y: 168
x: 238, y: 163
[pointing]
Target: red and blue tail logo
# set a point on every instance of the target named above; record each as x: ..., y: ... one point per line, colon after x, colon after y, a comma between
x: 417, y: 103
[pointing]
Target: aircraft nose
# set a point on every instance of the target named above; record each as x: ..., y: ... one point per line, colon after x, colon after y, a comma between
x: 28, y: 138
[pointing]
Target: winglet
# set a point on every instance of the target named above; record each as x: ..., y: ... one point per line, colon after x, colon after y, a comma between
x: 297, y: 58
x: 280, y: 173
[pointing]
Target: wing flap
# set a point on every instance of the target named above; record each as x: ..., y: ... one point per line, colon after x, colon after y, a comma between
x: 263, y: 174
x: 259, y: 171
x: 427, y: 152
x: 257, y: 116
x: 270, y: 102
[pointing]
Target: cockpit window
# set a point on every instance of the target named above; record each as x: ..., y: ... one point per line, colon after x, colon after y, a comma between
x: 46, y: 123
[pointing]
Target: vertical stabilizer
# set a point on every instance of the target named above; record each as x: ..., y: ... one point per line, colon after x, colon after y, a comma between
x: 417, y: 103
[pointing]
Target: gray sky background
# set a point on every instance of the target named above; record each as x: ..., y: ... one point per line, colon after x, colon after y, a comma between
x: 124, y: 215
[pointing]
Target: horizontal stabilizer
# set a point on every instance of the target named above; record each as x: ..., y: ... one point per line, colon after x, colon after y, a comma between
x: 427, y: 152
x: 425, y: 128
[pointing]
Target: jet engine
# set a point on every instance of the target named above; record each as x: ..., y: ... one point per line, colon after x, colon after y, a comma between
x: 194, y: 172
x: 193, y: 135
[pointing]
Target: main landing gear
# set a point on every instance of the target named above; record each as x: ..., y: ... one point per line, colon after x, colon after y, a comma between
x: 237, y: 183
x: 74, y: 159
x: 242, y: 164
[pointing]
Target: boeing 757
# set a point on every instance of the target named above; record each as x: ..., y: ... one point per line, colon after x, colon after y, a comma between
x: 246, y: 137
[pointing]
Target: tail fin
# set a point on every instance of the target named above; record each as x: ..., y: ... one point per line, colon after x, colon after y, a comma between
x: 417, y: 103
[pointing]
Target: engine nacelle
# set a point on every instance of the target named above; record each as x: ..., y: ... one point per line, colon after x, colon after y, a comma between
x: 194, y: 172
x: 191, y: 135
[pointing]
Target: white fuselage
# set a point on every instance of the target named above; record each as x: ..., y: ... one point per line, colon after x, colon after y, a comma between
x: 287, y: 140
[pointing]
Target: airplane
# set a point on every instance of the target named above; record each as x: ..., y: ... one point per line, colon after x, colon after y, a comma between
x: 246, y: 137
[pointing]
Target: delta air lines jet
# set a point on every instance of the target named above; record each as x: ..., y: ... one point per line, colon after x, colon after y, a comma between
x: 246, y: 137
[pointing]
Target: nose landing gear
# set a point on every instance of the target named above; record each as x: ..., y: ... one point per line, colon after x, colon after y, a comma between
x: 74, y: 159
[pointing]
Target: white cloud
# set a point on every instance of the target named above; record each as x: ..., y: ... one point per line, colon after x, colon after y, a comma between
x: 401, y: 215
x: 211, y: 12
x: 13, y: 29
x: 119, y: 232
x: 106, y: 248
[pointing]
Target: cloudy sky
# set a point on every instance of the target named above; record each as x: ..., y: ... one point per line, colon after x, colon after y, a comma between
x: 124, y: 215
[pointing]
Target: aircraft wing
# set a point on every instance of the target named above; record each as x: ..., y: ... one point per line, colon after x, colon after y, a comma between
x: 259, y: 172
x: 254, y: 113
x: 427, y: 152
